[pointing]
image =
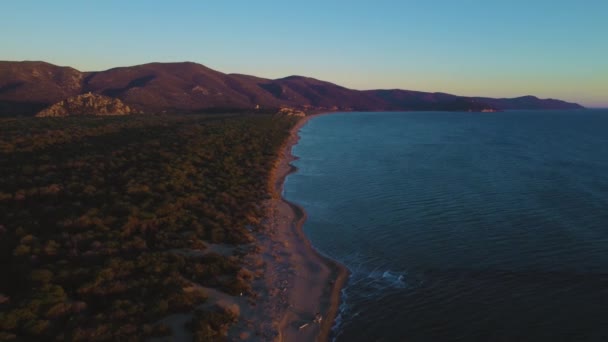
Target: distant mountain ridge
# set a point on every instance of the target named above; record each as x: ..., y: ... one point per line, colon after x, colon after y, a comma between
x: 26, y: 88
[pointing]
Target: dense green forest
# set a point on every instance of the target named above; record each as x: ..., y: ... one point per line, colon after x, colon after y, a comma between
x: 96, y: 213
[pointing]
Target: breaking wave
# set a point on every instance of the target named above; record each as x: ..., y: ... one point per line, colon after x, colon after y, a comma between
x: 367, y: 283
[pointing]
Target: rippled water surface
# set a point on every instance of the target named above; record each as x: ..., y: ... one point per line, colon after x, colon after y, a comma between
x: 461, y: 226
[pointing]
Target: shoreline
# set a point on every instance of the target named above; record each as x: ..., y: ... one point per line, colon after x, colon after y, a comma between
x: 315, y: 282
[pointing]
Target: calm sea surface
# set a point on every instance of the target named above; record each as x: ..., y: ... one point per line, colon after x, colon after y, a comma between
x: 461, y: 226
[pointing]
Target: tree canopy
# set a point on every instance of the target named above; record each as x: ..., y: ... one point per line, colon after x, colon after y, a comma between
x: 93, y: 210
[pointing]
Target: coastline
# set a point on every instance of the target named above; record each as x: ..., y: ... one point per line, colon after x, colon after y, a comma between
x: 311, y: 283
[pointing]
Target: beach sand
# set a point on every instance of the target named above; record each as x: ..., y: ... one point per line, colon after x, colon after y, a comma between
x: 291, y: 283
x: 300, y: 282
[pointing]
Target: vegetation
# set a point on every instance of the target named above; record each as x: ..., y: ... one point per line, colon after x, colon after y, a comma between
x: 104, y: 221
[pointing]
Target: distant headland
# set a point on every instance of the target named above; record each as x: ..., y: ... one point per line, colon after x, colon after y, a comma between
x: 27, y: 88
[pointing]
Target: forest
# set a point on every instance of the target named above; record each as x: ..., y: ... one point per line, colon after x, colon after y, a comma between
x: 104, y: 220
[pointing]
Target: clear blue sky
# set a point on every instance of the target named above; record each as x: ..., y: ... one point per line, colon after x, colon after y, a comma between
x: 555, y: 49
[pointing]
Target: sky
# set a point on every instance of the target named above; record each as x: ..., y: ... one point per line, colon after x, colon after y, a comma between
x: 506, y: 48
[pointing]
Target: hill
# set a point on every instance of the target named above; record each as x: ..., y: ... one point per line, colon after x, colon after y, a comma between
x: 28, y: 87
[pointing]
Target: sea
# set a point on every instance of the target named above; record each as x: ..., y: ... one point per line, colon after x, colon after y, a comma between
x: 461, y: 226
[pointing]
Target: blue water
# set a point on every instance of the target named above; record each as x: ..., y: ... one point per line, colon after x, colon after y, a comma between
x: 461, y: 226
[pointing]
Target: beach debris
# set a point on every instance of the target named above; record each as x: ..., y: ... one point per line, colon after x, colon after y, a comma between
x: 318, y: 318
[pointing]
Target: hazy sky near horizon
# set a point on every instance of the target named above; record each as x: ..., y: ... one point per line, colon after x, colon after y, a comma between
x: 556, y: 49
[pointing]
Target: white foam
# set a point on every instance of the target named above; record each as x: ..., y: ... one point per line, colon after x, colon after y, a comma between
x: 367, y: 282
x: 339, y: 318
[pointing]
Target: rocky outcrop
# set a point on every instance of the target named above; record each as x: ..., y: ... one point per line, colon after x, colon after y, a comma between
x: 87, y: 104
x: 291, y: 112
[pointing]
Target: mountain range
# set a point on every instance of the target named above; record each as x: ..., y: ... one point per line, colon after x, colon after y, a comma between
x: 27, y: 87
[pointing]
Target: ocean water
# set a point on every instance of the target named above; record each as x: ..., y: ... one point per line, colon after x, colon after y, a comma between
x: 461, y: 226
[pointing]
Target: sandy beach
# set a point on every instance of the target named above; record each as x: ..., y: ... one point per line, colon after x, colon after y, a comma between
x: 292, y: 283
x: 300, y: 283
